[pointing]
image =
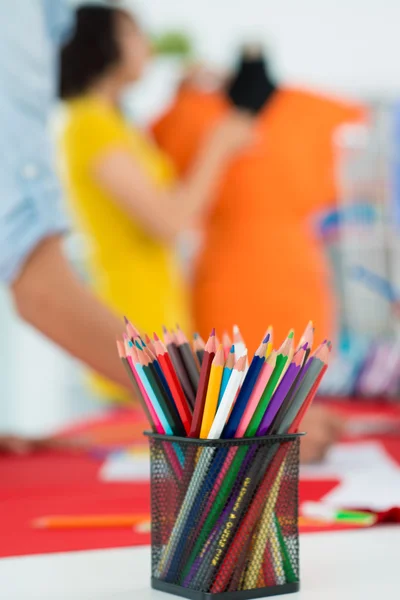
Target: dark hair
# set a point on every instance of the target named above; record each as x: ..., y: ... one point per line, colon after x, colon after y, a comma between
x: 91, y: 50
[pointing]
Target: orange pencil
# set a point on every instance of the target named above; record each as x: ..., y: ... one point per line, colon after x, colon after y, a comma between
x: 89, y: 521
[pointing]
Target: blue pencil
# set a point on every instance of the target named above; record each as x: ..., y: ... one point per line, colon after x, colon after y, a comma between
x: 226, y: 375
x: 246, y: 390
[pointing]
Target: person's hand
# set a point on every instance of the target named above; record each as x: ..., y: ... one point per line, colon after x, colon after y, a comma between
x: 199, y: 76
x: 12, y: 444
x: 324, y: 427
x: 234, y: 133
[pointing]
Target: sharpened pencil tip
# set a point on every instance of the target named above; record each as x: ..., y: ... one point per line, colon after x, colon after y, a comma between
x: 266, y: 339
x: 291, y: 334
x: 195, y: 336
x: 212, y: 332
x: 232, y: 350
x: 155, y: 336
x: 165, y: 330
x: 138, y: 345
x: 126, y: 320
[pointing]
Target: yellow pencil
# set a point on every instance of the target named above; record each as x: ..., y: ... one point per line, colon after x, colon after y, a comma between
x: 214, y: 385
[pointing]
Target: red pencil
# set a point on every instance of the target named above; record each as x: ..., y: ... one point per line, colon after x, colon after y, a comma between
x: 209, y: 354
x: 175, y: 387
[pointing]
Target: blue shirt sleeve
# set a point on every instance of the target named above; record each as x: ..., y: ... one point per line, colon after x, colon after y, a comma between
x: 31, y: 198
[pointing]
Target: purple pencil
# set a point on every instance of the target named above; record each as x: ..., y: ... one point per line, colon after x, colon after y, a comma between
x: 281, y: 392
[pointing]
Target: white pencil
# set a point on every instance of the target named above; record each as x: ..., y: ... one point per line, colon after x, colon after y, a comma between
x: 240, y: 346
x: 228, y: 398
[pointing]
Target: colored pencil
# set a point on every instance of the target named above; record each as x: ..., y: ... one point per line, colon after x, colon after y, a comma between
x: 174, y: 427
x: 270, y: 347
x: 89, y: 521
x: 179, y: 397
x: 278, y: 420
x: 149, y: 344
x: 306, y: 393
x: 227, y: 344
x: 131, y: 329
x: 228, y: 399
x: 188, y: 359
x: 123, y: 356
x: 173, y: 456
x: 246, y: 390
x: 144, y: 400
x: 307, y: 337
x: 209, y: 354
x: 152, y: 396
x: 230, y: 363
x: 281, y: 392
x: 281, y: 361
x: 261, y: 383
x: 213, y: 389
x: 240, y: 346
x: 160, y: 377
x: 179, y: 366
x: 198, y: 347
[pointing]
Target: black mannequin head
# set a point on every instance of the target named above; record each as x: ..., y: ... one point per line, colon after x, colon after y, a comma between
x: 252, y: 84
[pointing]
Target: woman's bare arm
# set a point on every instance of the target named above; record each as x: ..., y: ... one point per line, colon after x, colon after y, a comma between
x: 49, y: 296
x: 165, y: 213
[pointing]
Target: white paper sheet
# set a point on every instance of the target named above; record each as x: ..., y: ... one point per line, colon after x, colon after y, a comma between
x: 369, y: 477
x: 126, y: 466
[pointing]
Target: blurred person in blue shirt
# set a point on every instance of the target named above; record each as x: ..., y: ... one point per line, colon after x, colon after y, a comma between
x: 45, y: 290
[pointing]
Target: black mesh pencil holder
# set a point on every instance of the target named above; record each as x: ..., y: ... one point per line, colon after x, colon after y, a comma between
x: 224, y: 516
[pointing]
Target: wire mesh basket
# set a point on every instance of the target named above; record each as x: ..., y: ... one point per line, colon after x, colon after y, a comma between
x: 225, y: 516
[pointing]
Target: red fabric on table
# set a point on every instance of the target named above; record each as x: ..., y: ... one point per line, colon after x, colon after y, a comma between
x: 61, y: 483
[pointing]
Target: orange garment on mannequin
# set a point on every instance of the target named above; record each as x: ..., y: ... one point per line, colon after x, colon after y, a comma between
x: 262, y: 262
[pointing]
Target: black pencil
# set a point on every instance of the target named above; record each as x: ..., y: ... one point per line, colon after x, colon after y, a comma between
x: 179, y: 367
x: 188, y: 359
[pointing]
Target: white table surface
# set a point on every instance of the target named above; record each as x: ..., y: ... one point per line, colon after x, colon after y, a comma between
x: 356, y: 565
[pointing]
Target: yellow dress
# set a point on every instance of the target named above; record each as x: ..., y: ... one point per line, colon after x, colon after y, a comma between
x: 130, y: 270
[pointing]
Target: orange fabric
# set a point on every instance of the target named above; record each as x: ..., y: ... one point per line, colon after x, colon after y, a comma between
x: 262, y: 262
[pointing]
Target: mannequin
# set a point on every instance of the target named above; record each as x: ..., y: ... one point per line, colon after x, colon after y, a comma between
x: 261, y: 248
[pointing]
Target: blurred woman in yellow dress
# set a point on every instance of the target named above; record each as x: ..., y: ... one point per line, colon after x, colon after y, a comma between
x: 122, y: 189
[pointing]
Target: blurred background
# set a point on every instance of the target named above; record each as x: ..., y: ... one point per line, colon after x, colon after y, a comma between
x: 345, y: 50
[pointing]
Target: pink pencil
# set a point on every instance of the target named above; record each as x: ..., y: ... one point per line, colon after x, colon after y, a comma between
x: 263, y: 378
x: 132, y: 359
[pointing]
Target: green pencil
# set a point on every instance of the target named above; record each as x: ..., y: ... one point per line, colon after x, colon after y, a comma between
x: 281, y: 361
